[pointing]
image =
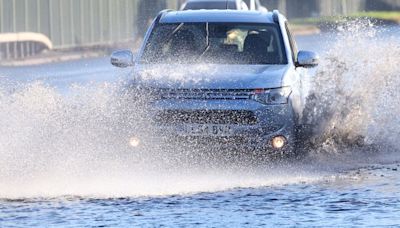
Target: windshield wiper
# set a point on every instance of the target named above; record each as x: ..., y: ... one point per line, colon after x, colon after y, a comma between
x: 207, y: 42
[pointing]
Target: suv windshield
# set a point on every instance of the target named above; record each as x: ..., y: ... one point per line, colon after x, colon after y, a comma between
x: 219, y: 43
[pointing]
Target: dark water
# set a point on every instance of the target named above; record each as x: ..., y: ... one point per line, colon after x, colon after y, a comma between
x: 366, y: 197
x: 59, y: 167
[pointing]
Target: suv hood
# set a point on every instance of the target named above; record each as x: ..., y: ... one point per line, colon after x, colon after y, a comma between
x: 210, y: 76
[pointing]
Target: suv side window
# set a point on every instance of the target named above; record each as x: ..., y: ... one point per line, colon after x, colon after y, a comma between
x: 293, y: 44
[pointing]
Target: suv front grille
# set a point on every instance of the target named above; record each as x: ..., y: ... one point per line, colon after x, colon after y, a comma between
x: 207, y: 94
x: 207, y: 117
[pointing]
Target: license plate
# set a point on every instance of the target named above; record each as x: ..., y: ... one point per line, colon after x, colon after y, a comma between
x: 205, y: 130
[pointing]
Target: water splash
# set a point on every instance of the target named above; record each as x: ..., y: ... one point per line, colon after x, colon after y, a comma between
x: 52, y: 144
x: 55, y: 145
x: 356, y: 99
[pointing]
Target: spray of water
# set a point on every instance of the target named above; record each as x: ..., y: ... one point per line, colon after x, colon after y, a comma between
x: 356, y: 100
x: 76, y: 144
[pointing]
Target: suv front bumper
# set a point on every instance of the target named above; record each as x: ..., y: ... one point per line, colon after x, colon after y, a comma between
x: 252, y: 132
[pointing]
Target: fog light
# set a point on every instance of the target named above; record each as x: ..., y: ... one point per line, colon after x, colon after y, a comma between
x: 278, y: 142
x: 134, y: 141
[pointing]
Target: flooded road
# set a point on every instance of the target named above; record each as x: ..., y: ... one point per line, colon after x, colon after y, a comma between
x: 367, y: 197
x: 61, y: 165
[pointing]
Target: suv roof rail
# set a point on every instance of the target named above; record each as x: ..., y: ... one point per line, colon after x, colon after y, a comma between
x: 275, y: 16
x: 161, y: 13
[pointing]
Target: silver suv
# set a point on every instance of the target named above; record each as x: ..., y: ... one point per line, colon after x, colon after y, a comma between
x: 222, y: 75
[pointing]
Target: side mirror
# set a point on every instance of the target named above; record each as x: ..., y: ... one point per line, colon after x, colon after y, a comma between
x: 307, y: 59
x: 123, y: 58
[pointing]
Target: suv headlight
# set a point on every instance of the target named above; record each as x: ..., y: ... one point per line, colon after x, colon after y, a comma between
x: 272, y: 96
